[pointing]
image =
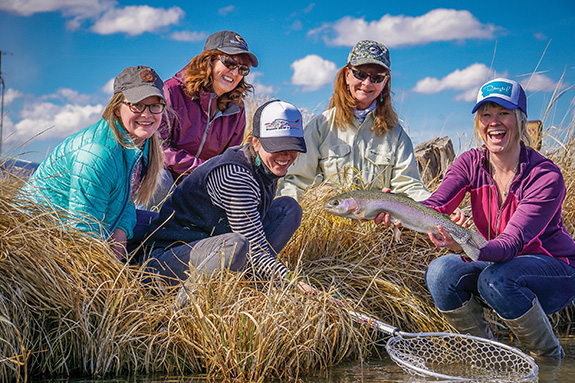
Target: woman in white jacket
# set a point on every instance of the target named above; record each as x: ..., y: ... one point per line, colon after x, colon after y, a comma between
x: 358, y: 140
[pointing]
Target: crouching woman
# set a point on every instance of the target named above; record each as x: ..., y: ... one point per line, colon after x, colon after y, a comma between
x: 224, y: 215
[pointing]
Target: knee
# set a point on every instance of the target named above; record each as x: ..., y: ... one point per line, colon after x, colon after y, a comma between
x: 438, y: 270
x: 290, y: 207
x: 235, y: 248
x: 493, y: 282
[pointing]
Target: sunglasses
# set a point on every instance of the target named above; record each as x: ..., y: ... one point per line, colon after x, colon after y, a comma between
x: 361, y: 75
x: 231, y: 64
x: 139, y: 107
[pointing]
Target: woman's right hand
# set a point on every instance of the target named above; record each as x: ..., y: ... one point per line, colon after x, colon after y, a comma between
x: 384, y: 217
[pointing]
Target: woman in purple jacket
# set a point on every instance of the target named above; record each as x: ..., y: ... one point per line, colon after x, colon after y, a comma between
x: 527, y: 268
x: 207, y: 98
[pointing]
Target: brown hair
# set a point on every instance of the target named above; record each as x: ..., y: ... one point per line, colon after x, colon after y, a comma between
x: 198, y: 77
x: 521, y: 118
x: 385, y: 116
x: 155, y: 154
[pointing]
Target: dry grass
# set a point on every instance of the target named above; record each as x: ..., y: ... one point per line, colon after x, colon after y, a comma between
x: 68, y: 307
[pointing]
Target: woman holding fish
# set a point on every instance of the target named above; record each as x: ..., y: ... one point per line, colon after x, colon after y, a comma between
x: 359, y: 139
x: 526, y: 269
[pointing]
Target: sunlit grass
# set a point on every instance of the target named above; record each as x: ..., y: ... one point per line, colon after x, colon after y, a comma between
x: 68, y: 307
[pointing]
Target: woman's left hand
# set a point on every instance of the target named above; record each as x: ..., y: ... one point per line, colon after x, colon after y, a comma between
x: 459, y: 218
x: 445, y: 240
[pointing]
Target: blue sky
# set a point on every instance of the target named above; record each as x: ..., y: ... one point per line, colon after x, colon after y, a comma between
x: 60, y: 56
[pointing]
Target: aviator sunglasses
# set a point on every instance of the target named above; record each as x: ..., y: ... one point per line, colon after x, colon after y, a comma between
x: 231, y: 64
x: 139, y: 107
x: 361, y: 75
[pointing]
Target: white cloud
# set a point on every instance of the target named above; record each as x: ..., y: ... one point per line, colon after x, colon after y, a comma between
x: 189, y: 36
x: 537, y: 83
x: 60, y: 120
x: 467, y: 80
x: 226, y: 10
x: 108, y: 87
x: 107, y: 17
x: 10, y: 95
x: 135, y: 20
x: 312, y: 72
x: 75, y: 8
x: 436, y: 25
x: 259, y: 88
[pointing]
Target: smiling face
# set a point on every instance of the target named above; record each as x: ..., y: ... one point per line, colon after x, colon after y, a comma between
x: 498, y: 128
x: 225, y: 79
x: 279, y: 162
x: 140, y: 126
x: 364, y: 92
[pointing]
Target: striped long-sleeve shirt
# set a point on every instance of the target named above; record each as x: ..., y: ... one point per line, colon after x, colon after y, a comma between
x: 233, y: 189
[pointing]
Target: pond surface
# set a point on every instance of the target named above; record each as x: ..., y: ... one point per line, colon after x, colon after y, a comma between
x: 372, y: 370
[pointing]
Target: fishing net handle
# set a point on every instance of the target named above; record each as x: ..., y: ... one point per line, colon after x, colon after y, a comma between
x: 374, y: 323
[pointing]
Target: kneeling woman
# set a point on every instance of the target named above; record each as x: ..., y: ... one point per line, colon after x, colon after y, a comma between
x: 224, y: 213
x: 527, y: 268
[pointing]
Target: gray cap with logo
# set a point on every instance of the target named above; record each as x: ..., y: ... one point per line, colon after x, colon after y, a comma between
x: 369, y: 52
x: 231, y: 43
x: 138, y: 83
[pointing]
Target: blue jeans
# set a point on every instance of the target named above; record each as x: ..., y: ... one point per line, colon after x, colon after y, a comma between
x: 508, y: 287
x: 227, y: 250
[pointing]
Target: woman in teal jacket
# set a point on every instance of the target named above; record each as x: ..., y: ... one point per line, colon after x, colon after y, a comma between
x: 96, y: 175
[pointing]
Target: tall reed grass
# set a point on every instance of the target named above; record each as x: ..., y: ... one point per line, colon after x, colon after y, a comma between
x: 67, y: 307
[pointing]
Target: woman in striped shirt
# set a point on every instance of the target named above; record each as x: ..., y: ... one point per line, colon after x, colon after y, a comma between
x: 224, y: 214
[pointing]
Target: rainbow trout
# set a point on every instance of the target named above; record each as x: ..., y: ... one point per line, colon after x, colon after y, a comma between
x: 368, y: 204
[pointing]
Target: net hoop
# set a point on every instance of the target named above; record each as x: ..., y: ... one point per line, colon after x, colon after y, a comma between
x: 435, y: 354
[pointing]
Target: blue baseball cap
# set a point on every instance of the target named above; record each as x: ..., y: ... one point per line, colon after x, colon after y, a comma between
x: 507, y: 93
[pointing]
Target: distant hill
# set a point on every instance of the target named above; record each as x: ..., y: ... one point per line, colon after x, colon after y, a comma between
x: 20, y: 167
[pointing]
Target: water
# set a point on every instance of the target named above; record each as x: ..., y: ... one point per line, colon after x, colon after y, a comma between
x: 372, y: 370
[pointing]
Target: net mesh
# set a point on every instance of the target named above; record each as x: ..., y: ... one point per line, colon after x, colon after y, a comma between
x: 463, y: 357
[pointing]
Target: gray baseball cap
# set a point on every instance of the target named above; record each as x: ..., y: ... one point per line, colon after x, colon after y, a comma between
x: 231, y: 43
x: 369, y: 52
x: 138, y: 83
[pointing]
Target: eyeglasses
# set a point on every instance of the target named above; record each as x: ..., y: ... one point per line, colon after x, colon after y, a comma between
x: 231, y: 64
x: 139, y: 107
x: 361, y: 75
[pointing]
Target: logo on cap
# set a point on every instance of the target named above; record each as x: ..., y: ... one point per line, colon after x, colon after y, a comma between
x: 497, y: 87
x: 147, y: 75
x: 375, y: 50
x: 282, y: 124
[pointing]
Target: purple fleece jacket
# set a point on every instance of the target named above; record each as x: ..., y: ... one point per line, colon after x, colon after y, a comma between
x: 528, y: 222
x: 193, y: 138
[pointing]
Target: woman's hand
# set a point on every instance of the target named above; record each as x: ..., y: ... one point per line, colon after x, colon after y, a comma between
x: 459, y: 218
x: 384, y: 217
x: 445, y: 240
x: 119, y: 240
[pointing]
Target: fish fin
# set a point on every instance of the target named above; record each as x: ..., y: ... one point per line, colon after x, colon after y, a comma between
x: 471, y: 251
x: 396, y: 234
x: 477, y: 239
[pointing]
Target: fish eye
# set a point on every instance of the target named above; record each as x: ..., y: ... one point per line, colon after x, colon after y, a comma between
x: 335, y: 203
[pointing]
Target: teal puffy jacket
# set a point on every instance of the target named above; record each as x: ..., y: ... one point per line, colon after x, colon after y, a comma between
x: 89, y: 176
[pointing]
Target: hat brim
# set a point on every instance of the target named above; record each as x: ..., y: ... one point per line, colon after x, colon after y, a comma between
x: 281, y: 144
x: 139, y: 93
x: 368, y: 61
x: 238, y: 51
x: 504, y: 103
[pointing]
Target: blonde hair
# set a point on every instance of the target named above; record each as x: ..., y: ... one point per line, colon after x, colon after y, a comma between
x: 198, y: 77
x: 385, y: 116
x: 155, y: 151
x: 521, y: 118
